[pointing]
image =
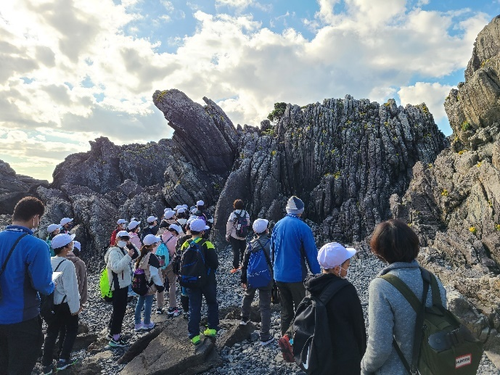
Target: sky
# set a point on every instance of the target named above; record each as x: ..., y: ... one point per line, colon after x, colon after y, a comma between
x: 75, y: 70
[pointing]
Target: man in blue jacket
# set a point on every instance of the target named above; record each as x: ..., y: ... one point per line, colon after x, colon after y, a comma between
x: 27, y: 272
x: 293, y: 246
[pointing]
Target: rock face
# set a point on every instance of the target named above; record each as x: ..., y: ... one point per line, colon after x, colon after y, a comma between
x: 454, y: 203
x: 13, y: 187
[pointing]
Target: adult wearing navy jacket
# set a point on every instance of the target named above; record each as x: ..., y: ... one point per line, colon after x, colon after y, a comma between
x: 293, y: 246
x: 27, y: 272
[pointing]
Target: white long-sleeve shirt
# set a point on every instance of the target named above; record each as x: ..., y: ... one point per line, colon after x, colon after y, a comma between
x: 67, y: 284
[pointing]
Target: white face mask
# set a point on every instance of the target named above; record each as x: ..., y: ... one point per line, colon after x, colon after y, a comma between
x: 122, y: 243
x: 340, y: 273
x: 34, y: 228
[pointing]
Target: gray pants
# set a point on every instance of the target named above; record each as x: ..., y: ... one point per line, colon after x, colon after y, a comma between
x: 291, y: 295
x: 264, y: 306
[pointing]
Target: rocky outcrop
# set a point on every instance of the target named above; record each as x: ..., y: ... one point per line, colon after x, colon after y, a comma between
x: 454, y: 203
x: 13, y: 187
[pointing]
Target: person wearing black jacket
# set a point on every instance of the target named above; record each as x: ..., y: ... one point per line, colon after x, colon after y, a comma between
x: 261, y: 241
x: 345, y: 315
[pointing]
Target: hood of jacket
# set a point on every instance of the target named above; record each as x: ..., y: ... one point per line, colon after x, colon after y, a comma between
x: 316, y: 283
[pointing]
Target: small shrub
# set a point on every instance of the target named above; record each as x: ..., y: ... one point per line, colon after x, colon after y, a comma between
x: 465, y: 126
x: 444, y: 193
x: 473, y: 230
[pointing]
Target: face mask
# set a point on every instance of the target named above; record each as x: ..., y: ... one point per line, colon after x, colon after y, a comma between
x: 35, y: 227
x: 340, y: 273
x: 122, y: 243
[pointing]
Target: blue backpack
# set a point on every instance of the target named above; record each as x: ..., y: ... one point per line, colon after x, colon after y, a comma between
x: 163, y: 254
x: 193, y: 271
x: 259, y: 268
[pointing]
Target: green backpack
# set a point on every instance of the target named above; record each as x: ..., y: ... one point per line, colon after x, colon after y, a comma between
x: 105, y: 286
x: 442, y: 344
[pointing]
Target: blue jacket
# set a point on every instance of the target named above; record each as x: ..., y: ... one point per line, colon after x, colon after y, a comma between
x: 28, y: 272
x: 291, y: 241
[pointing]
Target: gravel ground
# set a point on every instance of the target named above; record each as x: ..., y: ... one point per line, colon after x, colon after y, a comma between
x: 247, y: 357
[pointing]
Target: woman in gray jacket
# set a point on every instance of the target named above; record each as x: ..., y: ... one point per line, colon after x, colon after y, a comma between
x: 389, y: 313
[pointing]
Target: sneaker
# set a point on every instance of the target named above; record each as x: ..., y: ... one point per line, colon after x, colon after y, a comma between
x: 65, y: 363
x: 196, y: 340
x: 234, y: 270
x: 243, y: 321
x: 149, y: 327
x: 286, y: 349
x: 210, y: 332
x: 174, y: 312
x: 138, y: 327
x: 159, y: 311
x: 120, y: 343
x: 186, y: 315
x: 266, y: 342
x: 109, y: 337
x: 47, y: 370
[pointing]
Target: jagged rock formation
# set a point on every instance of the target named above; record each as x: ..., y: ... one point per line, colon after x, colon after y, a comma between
x: 454, y: 203
x: 13, y: 187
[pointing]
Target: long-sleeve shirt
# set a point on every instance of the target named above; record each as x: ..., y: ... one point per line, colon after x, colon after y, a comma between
x: 81, y: 276
x: 27, y: 273
x: 66, y: 290
x: 211, y: 259
x: 136, y: 240
x: 231, y: 223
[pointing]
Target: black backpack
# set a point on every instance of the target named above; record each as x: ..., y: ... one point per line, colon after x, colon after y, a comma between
x: 47, y: 307
x: 312, y: 345
x: 241, y: 224
x: 193, y: 271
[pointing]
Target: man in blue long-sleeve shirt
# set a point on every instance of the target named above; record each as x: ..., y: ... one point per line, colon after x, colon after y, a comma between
x: 293, y: 246
x: 27, y: 273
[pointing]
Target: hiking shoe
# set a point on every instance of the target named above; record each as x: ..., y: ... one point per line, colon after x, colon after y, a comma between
x: 286, y: 349
x: 138, y: 327
x: 266, y: 342
x: 210, y: 332
x: 65, y: 363
x: 174, y: 312
x: 159, y: 311
x: 196, y: 340
x: 148, y: 327
x: 120, y: 343
x: 47, y: 370
x: 243, y: 321
x: 234, y: 270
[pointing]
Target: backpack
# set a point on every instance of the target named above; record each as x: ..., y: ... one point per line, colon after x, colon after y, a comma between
x: 105, y: 286
x: 193, y: 271
x: 442, y: 344
x: 163, y: 254
x: 312, y: 345
x: 140, y: 283
x: 241, y: 224
x: 47, y: 306
x: 258, y: 269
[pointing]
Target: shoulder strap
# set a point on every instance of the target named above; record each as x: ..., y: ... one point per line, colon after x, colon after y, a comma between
x: 10, y: 252
x: 59, y: 265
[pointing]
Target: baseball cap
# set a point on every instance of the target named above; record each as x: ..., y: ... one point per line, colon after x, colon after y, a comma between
x: 151, y: 219
x: 62, y: 240
x: 121, y: 221
x: 176, y: 228
x: 78, y: 245
x: 52, y: 227
x: 65, y: 220
x: 169, y: 214
x: 334, y: 254
x: 150, y: 239
x: 123, y: 233
x: 198, y: 225
x: 260, y: 225
x: 133, y: 224
x: 200, y: 203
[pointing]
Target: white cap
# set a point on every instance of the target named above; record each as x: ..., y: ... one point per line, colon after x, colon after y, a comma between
x: 200, y: 203
x: 78, y: 245
x: 185, y: 206
x: 65, y: 220
x: 175, y: 227
x: 169, y: 214
x: 121, y: 221
x: 62, y: 240
x: 123, y: 233
x: 198, y: 225
x: 150, y: 239
x: 52, y: 227
x: 181, y: 210
x: 334, y: 254
x: 151, y: 219
x: 177, y: 207
x: 133, y: 224
x: 260, y: 225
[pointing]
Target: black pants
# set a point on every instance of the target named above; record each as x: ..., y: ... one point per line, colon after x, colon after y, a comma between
x: 238, y: 247
x: 20, y: 346
x: 119, y: 307
x: 291, y: 295
x: 70, y: 323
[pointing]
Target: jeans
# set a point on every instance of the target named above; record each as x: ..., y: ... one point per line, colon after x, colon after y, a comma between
x: 148, y: 301
x: 264, y: 307
x: 209, y: 290
x: 70, y: 322
x: 20, y: 346
x: 238, y: 247
x: 119, y: 308
x: 291, y: 295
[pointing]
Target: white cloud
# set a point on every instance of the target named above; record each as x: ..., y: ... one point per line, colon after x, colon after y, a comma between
x: 432, y: 94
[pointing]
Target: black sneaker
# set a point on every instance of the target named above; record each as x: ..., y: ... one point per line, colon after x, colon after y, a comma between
x: 47, y: 370
x: 159, y: 311
x: 120, y: 343
x: 174, y: 312
x: 65, y: 363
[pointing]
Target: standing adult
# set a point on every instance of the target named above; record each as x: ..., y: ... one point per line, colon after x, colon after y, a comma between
x: 120, y: 225
x: 26, y: 272
x: 66, y: 306
x: 66, y: 224
x: 390, y: 315
x: 238, y: 243
x: 119, y: 266
x: 292, y: 244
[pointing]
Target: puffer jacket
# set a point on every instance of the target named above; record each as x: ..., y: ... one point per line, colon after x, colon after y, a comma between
x: 119, y: 266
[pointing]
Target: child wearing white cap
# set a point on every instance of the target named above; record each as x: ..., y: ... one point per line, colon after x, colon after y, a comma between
x: 52, y: 231
x: 346, y: 326
x: 120, y: 225
x: 152, y: 227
